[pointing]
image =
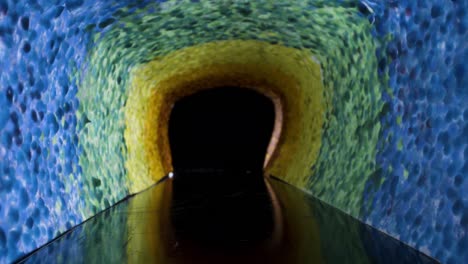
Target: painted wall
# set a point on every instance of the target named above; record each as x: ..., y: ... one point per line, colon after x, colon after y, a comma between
x: 393, y: 145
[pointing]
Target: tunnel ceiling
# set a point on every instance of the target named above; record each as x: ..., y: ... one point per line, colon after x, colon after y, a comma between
x: 372, y: 96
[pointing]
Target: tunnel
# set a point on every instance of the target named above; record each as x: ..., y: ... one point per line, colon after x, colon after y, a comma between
x: 265, y: 131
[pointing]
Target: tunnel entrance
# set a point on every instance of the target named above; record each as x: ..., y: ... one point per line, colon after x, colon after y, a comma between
x: 219, y: 139
x: 226, y: 128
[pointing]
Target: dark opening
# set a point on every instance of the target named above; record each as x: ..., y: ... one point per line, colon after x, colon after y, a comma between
x: 224, y: 128
x: 219, y: 138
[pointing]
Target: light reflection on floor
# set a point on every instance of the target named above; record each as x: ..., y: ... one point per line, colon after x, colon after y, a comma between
x: 156, y: 226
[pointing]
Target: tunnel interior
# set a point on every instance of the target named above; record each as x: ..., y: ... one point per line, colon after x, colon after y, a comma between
x: 218, y: 140
x: 226, y: 128
x: 371, y: 97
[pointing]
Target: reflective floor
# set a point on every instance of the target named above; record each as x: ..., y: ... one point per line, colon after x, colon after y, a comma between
x: 257, y: 221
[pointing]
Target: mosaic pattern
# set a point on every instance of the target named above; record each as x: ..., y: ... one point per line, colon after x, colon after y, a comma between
x: 419, y: 192
x: 393, y: 145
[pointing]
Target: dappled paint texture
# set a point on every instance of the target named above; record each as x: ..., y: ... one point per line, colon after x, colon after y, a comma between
x: 394, y: 139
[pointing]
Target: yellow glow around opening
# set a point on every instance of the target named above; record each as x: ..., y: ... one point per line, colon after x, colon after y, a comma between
x: 290, y: 77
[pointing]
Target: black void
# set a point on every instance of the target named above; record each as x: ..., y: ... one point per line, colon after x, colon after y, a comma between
x: 226, y: 128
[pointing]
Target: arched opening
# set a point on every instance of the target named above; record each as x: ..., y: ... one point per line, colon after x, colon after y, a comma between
x: 218, y: 139
x: 294, y: 86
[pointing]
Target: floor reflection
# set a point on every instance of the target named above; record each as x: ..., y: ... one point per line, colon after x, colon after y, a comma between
x: 184, y: 221
x: 210, y: 213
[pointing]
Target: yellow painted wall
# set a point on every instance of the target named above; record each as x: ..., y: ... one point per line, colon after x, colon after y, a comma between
x: 289, y: 76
